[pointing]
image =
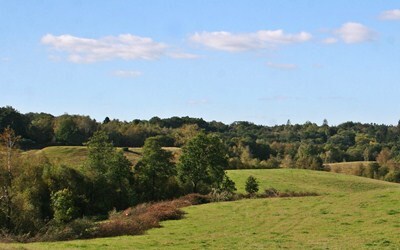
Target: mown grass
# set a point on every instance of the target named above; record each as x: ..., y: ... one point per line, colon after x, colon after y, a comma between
x: 352, y: 213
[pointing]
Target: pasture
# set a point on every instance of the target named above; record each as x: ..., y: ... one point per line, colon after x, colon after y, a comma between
x: 351, y: 213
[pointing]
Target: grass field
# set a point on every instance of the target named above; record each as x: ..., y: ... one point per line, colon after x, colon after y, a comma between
x: 75, y: 156
x: 351, y: 213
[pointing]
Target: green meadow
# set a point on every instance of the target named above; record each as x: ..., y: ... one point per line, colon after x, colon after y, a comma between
x: 350, y: 213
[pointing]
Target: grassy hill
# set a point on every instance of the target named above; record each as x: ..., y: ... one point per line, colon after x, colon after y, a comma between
x: 76, y: 155
x: 351, y: 213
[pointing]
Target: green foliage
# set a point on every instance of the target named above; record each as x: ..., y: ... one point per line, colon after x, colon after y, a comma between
x: 110, y: 173
x: 393, y: 176
x: 67, y: 132
x: 30, y: 197
x: 228, y: 185
x: 10, y: 117
x: 62, y: 203
x: 203, y: 160
x: 154, y: 171
x: 251, y: 185
x: 364, y: 208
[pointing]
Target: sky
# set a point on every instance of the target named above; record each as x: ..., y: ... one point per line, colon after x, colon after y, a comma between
x: 260, y: 61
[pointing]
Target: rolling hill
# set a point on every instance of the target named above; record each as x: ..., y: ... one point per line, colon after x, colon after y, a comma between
x: 350, y: 213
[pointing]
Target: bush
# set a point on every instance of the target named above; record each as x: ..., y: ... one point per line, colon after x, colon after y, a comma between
x: 218, y: 195
x: 62, y: 203
x: 196, y: 199
x: 136, y: 220
x: 82, y: 228
x: 251, y: 185
x: 228, y: 185
x: 271, y: 192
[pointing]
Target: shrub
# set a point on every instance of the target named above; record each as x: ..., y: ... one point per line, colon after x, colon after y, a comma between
x: 81, y: 228
x: 271, y: 192
x: 196, y: 199
x: 251, y: 185
x: 218, y: 195
x: 136, y: 220
x: 62, y: 203
x: 228, y: 185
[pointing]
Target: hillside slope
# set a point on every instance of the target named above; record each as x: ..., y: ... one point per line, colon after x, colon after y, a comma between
x: 76, y: 155
x: 352, y: 213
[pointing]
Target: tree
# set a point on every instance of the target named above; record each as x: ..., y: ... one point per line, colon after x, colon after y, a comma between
x: 110, y: 173
x: 30, y: 195
x: 384, y: 156
x: 9, y: 141
x: 10, y: 117
x: 154, y: 169
x: 61, y: 177
x: 183, y: 134
x: 251, y: 185
x: 228, y: 185
x: 41, y: 128
x: 203, y: 160
x: 63, y: 206
x: 66, y: 131
x: 106, y: 120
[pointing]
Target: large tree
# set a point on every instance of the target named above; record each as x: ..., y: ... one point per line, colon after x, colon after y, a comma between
x: 110, y: 173
x: 203, y: 160
x: 154, y: 170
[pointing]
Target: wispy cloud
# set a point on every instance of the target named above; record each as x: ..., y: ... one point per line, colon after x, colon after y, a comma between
x: 231, y: 42
x: 330, y: 40
x: 5, y: 59
x: 127, y: 73
x: 125, y: 46
x: 181, y: 55
x: 354, y: 33
x: 390, y: 15
x: 283, y: 66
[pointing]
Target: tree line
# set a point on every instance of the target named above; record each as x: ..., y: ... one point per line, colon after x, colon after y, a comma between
x: 249, y: 145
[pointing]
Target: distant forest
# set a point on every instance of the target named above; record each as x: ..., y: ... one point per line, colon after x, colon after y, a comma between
x: 249, y: 145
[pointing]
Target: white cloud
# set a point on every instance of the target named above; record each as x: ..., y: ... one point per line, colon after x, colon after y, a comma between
x: 180, y: 55
x: 230, y: 42
x: 354, y: 33
x: 330, y: 40
x: 125, y: 46
x: 5, y: 59
x: 127, y: 73
x: 284, y: 66
x: 390, y: 15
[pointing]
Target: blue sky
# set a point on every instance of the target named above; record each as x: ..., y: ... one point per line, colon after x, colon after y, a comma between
x: 259, y: 61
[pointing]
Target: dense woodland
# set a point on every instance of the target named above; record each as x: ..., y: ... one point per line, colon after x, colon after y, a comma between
x: 40, y: 198
x: 249, y: 145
